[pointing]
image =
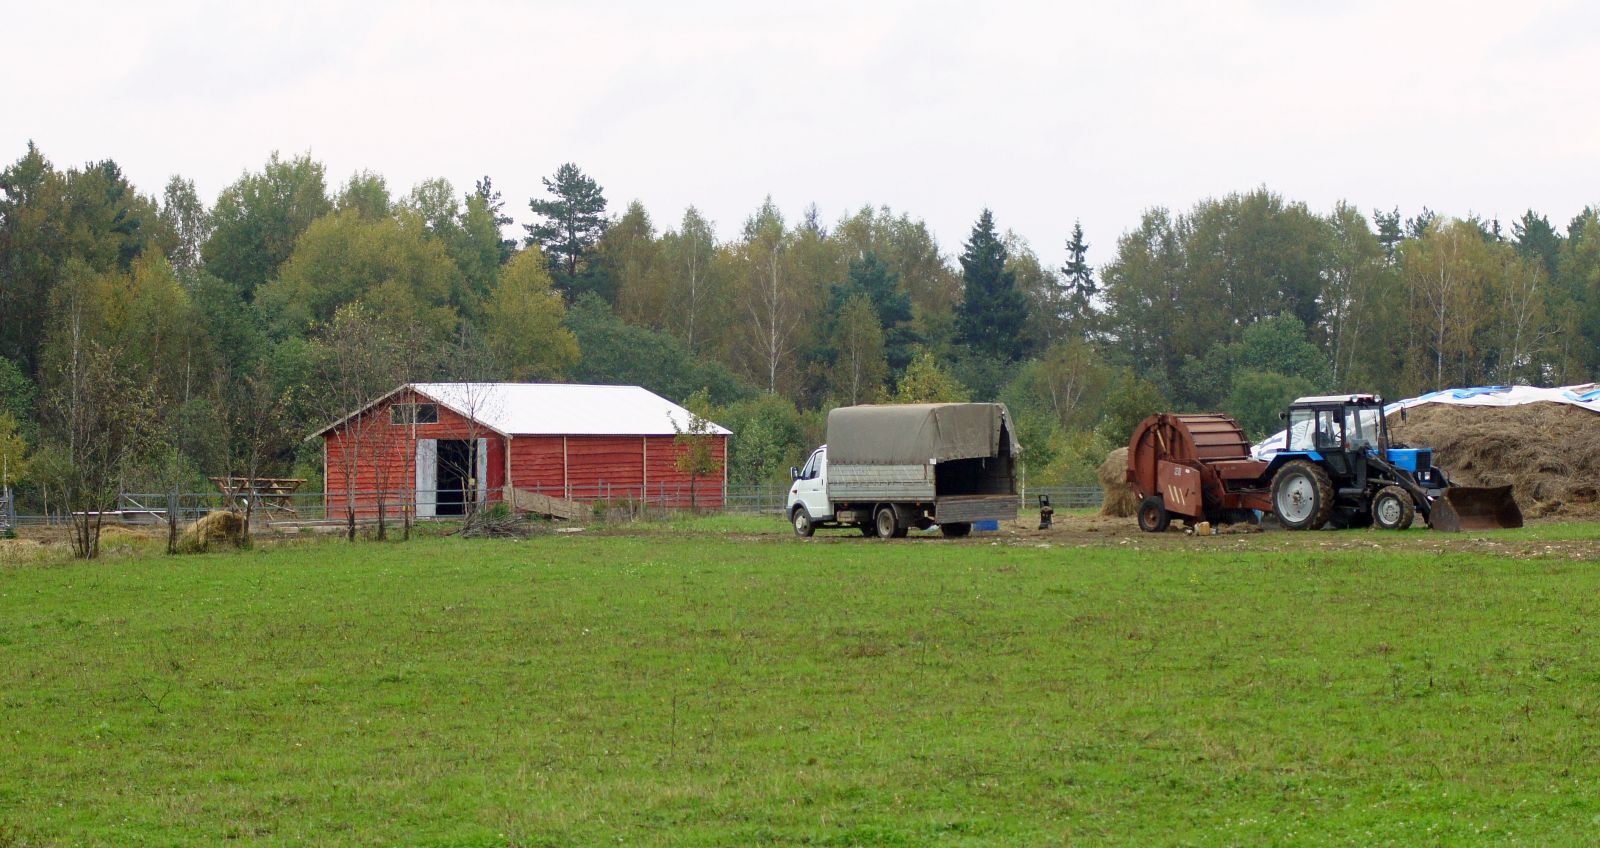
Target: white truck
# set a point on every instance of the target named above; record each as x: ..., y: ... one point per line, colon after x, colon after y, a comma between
x: 886, y: 469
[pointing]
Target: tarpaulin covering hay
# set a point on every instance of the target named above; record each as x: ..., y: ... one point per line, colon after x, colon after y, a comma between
x: 1120, y: 500
x: 1549, y: 452
x: 214, y: 529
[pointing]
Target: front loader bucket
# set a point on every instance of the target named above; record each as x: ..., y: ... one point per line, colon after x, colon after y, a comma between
x: 1470, y: 508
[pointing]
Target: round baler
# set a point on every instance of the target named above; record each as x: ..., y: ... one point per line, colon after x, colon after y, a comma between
x: 1195, y: 467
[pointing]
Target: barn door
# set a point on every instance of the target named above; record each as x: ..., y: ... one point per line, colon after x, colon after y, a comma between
x: 427, y: 477
x: 483, y: 471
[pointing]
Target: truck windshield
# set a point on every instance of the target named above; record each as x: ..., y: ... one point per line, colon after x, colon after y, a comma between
x: 1362, y: 426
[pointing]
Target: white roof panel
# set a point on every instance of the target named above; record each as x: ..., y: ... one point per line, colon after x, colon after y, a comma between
x: 562, y: 409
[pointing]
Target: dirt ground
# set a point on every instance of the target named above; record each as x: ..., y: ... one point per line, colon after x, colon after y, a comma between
x: 1096, y: 531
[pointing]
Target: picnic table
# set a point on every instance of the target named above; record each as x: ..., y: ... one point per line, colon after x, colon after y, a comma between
x: 270, y: 495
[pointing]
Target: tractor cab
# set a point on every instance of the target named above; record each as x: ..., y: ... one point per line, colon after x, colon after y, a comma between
x: 1337, y: 423
x: 1346, y: 430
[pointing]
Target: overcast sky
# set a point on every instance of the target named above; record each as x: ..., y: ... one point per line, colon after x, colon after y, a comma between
x: 1044, y: 112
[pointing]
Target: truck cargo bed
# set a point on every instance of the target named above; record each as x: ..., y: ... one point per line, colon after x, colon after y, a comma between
x: 968, y: 508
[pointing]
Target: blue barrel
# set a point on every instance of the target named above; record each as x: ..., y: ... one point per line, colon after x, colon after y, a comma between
x: 988, y: 526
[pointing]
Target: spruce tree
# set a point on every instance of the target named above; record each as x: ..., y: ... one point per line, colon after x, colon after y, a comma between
x: 993, y: 309
x: 1078, y: 278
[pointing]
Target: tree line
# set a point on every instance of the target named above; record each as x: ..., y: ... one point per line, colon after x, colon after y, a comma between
x: 159, y: 338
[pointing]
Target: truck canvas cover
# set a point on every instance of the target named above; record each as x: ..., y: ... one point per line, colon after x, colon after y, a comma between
x: 917, y: 434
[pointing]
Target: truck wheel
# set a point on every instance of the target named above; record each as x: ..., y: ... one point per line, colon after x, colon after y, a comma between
x: 1302, y: 496
x: 802, y: 522
x: 956, y: 530
x: 1392, y: 508
x: 888, y: 523
x: 1153, y: 515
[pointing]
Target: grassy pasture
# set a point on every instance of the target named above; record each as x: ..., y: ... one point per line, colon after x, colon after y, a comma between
x: 718, y: 683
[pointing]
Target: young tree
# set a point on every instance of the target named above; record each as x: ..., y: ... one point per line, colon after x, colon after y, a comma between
x: 256, y: 221
x: 359, y: 358
x: 574, y: 220
x: 1447, y: 269
x: 366, y: 194
x: 259, y: 427
x: 403, y: 276
x: 696, y: 445
x: 495, y: 208
x: 769, y: 299
x: 13, y: 452
x: 925, y: 381
x: 690, y: 255
x: 858, y: 363
x: 524, y: 331
x: 98, y: 421
x: 632, y: 257
x: 993, y: 310
x: 185, y: 223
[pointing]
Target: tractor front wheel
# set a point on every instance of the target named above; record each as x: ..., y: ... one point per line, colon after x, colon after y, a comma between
x: 1302, y: 496
x: 1392, y: 508
x: 1153, y: 515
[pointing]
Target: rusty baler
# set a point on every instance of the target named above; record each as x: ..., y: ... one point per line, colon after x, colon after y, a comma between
x: 1335, y: 468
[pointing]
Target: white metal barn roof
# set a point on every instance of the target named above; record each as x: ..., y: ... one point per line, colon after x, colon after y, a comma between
x: 562, y: 409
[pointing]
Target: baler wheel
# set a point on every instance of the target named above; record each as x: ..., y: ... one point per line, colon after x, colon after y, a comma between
x: 1302, y: 496
x: 1153, y: 515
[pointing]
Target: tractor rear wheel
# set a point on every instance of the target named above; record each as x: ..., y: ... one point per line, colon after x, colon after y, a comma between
x: 1392, y: 508
x: 1302, y: 496
x: 1153, y: 515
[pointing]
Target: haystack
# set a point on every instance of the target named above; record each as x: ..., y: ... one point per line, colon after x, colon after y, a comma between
x: 1120, y: 500
x: 214, y: 529
x: 1550, y: 452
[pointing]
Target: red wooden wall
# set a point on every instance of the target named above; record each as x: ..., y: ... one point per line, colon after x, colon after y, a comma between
x: 383, y: 456
x: 583, y: 468
x: 601, y: 467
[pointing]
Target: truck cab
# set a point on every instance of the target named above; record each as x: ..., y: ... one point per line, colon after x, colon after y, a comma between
x: 809, y: 490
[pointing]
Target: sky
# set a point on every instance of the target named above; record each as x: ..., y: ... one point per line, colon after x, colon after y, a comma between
x: 1045, y: 113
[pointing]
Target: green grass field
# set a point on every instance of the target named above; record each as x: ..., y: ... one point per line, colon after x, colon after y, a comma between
x: 719, y: 683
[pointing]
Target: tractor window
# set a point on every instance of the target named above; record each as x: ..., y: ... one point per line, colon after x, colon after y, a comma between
x: 1330, y: 430
x: 1300, y: 429
x: 1362, y: 423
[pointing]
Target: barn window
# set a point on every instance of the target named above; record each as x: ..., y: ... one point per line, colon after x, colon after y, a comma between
x: 414, y: 413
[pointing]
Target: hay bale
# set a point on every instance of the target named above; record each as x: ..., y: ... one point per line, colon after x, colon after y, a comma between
x: 1549, y: 452
x: 217, y: 528
x: 1120, y: 501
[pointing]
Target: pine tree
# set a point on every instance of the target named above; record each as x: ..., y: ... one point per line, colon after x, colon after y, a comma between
x: 575, y: 219
x: 993, y: 308
x: 1389, y: 234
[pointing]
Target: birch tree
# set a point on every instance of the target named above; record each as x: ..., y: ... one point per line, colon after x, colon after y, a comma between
x: 770, y: 302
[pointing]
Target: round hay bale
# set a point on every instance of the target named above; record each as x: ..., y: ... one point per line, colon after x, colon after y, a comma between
x: 217, y: 528
x: 1120, y: 501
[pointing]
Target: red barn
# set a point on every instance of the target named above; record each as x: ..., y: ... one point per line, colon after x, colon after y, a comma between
x: 437, y: 447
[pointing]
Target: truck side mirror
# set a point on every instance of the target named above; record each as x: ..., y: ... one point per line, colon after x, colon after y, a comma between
x: 794, y: 472
x: 1283, y: 416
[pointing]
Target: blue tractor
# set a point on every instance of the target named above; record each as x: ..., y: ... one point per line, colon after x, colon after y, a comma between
x: 1337, y: 468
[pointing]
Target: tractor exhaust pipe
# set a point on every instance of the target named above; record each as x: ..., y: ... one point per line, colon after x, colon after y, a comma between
x: 1475, y: 508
